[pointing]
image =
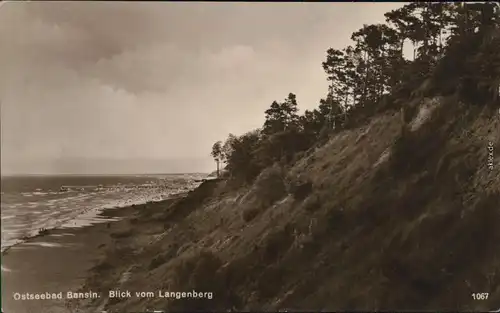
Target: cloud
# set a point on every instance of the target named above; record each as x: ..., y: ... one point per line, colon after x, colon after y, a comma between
x: 157, y: 80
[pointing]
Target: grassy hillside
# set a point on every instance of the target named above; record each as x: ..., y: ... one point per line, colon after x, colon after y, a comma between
x: 378, y: 218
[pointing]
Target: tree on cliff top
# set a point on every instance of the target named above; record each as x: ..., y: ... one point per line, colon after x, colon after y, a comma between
x: 281, y: 116
x: 218, y: 155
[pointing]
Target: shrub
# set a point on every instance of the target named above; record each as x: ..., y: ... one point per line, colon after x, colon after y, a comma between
x: 250, y: 213
x: 157, y: 261
x: 270, y: 186
x: 302, y: 190
x: 299, y: 188
x: 312, y: 203
x: 276, y: 243
x: 103, y: 266
x: 401, y: 152
x: 197, y: 271
x: 122, y: 234
x: 298, y: 156
x: 271, y: 280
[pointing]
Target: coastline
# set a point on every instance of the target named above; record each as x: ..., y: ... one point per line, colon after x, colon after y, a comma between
x: 60, y: 260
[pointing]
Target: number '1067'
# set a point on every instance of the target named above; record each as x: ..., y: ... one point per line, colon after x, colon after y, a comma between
x: 480, y: 296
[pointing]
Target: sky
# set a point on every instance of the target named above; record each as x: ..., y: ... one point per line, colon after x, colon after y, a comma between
x: 153, y: 85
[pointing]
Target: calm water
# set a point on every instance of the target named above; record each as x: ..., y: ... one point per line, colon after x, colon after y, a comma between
x: 30, y: 203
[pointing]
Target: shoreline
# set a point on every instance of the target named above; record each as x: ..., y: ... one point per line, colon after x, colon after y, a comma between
x: 61, y: 259
x: 95, y: 218
x: 141, y: 244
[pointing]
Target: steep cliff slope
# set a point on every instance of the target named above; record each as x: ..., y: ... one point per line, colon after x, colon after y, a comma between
x: 387, y: 216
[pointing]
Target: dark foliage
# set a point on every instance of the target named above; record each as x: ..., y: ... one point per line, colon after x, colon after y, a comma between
x: 455, y: 53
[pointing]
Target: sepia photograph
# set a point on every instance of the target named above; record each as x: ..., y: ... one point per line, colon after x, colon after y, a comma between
x: 249, y: 156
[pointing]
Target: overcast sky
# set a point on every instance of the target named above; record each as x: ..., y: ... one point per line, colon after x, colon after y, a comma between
x: 157, y: 80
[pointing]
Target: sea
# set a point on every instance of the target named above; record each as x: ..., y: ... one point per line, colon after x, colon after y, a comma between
x: 30, y: 204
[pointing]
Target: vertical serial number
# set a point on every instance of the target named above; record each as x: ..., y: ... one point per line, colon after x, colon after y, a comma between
x: 480, y: 296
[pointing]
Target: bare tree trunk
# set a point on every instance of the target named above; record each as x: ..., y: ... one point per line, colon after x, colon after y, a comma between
x: 441, y: 28
x: 426, y: 20
x: 218, y: 168
x: 331, y: 117
x: 365, y: 83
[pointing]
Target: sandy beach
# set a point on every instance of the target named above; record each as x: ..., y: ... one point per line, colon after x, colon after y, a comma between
x: 56, y: 265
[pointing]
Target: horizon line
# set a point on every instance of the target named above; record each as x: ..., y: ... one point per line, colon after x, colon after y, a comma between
x: 98, y: 174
